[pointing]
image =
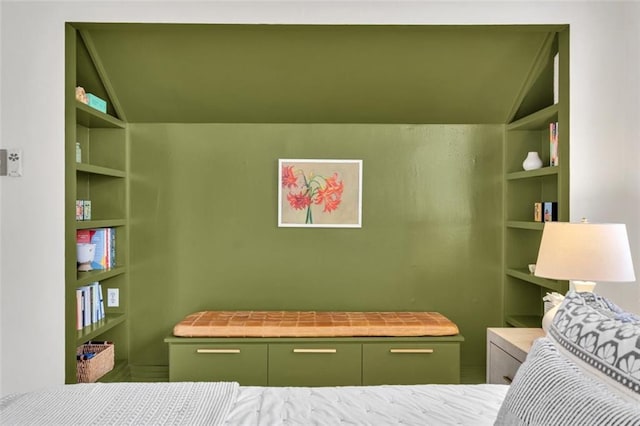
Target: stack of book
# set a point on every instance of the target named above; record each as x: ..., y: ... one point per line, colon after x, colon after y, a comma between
x: 89, y: 305
x: 105, y: 241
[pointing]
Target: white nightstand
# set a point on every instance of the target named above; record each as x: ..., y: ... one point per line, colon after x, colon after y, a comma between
x: 506, y: 350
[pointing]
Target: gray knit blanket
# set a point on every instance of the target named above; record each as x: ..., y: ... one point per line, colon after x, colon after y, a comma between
x: 121, y: 404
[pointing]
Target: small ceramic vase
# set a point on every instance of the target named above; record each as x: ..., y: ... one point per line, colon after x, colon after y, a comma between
x: 532, y: 161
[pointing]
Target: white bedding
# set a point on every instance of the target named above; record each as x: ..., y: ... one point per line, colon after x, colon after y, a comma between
x: 228, y: 404
x: 368, y: 405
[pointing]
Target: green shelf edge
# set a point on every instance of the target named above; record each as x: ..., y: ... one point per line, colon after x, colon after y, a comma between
x: 105, y: 223
x: 99, y: 170
x: 539, y: 120
x: 92, y: 118
x: 102, y: 326
x: 522, y: 224
x: 98, y: 275
x: 524, y: 275
x: 529, y: 174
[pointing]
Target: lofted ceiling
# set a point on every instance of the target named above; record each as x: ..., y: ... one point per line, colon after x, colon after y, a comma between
x: 192, y: 73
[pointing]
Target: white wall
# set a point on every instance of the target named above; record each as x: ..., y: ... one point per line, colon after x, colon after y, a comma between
x: 605, y: 136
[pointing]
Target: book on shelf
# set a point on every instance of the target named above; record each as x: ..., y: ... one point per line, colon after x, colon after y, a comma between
x: 553, y: 143
x: 89, y: 305
x: 556, y: 78
x: 105, y: 241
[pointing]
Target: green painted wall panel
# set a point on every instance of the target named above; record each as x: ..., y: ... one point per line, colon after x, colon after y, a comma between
x: 204, y: 229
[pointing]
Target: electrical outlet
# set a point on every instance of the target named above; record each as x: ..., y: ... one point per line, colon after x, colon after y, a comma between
x: 14, y: 162
x: 113, y: 297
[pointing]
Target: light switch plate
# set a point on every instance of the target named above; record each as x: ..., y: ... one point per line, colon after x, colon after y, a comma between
x: 113, y: 297
x: 14, y: 162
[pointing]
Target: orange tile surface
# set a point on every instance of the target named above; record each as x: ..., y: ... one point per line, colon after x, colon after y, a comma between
x: 313, y: 324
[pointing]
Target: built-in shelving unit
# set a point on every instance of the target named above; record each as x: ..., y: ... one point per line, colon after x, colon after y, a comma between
x: 523, y: 291
x: 100, y: 176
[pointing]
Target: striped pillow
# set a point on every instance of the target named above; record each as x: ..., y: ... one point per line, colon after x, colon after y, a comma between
x: 550, y: 389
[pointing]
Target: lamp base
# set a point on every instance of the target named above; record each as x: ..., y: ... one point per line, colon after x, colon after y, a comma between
x: 583, y: 286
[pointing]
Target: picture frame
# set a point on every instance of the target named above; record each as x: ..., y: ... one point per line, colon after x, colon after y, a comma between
x: 319, y: 193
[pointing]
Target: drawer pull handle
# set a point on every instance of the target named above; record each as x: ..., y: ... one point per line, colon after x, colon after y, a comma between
x: 218, y: 351
x: 315, y: 351
x: 507, y: 379
x: 411, y: 351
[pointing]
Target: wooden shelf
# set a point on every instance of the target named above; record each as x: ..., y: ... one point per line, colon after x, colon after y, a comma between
x: 523, y: 224
x: 91, y: 117
x: 106, y: 223
x: 524, y: 275
x: 537, y: 121
x: 85, y: 278
x: 99, y: 170
x: 529, y: 174
x: 99, y: 327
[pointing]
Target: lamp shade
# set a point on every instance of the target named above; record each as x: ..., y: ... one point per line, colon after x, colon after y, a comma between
x: 585, y: 251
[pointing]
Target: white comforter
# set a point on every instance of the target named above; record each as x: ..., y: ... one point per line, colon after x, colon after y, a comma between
x: 368, y: 405
x: 228, y: 404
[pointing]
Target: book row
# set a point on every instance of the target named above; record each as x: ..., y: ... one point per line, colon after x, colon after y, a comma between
x: 89, y: 305
x: 103, y: 243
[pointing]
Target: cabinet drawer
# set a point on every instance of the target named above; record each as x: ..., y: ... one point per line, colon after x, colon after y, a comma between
x: 243, y: 363
x: 410, y: 363
x: 314, y: 364
x: 502, y: 366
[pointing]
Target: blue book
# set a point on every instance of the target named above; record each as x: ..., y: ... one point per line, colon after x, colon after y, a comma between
x: 99, y: 238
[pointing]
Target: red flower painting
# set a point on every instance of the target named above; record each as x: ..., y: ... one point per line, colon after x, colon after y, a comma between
x: 320, y: 193
x: 307, y: 189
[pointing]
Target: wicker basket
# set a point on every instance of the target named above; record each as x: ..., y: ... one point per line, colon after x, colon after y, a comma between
x: 90, y: 370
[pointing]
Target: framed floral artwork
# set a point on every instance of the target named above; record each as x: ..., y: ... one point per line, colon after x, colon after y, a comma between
x: 320, y: 193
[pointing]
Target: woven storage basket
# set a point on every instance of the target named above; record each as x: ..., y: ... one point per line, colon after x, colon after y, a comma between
x: 90, y: 370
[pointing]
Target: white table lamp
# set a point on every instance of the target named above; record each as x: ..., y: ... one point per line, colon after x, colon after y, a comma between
x: 584, y: 253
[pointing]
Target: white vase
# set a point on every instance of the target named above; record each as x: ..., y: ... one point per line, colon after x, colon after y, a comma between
x: 532, y: 161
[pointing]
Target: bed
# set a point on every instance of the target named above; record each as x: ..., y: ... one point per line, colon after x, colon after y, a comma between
x: 586, y: 371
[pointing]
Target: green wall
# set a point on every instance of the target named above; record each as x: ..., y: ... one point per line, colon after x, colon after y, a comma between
x: 204, y: 229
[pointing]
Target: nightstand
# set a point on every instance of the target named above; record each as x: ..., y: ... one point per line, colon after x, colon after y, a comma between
x: 506, y: 350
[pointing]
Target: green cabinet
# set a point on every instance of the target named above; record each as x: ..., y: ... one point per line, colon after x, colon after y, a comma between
x: 410, y: 363
x: 347, y: 361
x: 314, y: 364
x: 245, y: 363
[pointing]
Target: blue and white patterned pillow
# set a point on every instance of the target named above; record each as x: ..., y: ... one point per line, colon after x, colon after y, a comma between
x: 600, y: 338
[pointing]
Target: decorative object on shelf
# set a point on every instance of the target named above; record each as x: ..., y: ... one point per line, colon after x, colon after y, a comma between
x: 95, y: 359
x: 532, y: 268
x: 83, y: 209
x: 532, y: 162
x: 86, y: 254
x: 81, y: 95
x: 537, y: 212
x: 78, y: 153
x: 585, y: 251
x: 550, y: 211
x: 320, y: 193
x: 96, y: 103
x: 546, y: 211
